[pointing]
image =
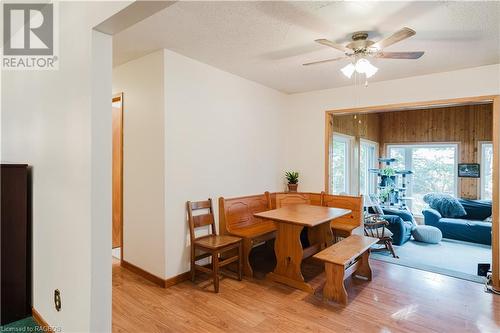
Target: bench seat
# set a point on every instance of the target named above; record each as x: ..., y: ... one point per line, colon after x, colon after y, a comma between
x: 343, y: 259
x: 262, y: 229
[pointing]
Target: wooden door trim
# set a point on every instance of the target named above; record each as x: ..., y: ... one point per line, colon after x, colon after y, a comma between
x: 119, y: 98
x: 494, y: 100
x: 496, y: 194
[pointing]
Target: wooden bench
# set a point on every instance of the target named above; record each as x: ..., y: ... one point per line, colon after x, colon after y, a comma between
x: 236, y: 217
x: 343, y: 259
x: 349, y: 224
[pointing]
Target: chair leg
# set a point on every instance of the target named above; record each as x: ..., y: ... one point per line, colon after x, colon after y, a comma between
x: 193, y: 269
x: 215, y: 268
x: 240, y: 262
x: 388, y: 244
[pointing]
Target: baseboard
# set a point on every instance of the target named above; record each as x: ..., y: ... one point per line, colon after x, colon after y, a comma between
x: 41, y: 322
x: 139, y: 271
x: 177, y: 279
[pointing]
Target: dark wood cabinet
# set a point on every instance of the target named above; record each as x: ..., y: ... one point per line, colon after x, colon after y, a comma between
x: 15, y: 242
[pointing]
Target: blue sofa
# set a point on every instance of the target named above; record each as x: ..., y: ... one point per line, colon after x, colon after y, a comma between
x: 469, y: 228
x: 401, y: 224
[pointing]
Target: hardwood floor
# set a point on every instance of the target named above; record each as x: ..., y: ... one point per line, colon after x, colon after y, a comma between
x: 398, y: 299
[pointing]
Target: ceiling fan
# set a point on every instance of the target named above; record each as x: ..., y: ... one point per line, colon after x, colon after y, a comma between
x: 362, y: 48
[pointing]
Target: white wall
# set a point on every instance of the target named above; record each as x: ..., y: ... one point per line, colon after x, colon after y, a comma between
x: 46, y: 122
x: 224, y: 137
x: 305, y: 119
x: 100, y: 190
x: 141, y: 82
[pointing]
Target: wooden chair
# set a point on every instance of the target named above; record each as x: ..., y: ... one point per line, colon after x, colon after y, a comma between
x: 211, y: 245
x: 378, y: 230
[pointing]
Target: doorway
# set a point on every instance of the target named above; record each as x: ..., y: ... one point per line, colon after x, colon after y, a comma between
x: 117, y: 176
x: 409, y: 149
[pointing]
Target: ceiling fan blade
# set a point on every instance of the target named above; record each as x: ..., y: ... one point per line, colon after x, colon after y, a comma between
x: 329, y: 43
x: 400, y: 55
x: 394, y: 38
x: 323, y: 61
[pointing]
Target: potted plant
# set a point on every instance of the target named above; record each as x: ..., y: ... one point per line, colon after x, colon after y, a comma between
x: 387, y: 176
x: 385, y: 195
x: 293, y: 179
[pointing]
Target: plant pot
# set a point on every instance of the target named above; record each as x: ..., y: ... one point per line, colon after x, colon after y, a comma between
x: 292, y: 187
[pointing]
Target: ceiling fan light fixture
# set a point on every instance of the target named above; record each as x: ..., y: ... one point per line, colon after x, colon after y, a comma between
x: 370, y: 70
x: 348, y: 70
x: 363, y: 66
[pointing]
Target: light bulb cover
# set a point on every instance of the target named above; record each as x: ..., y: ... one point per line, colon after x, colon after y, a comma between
x: 370, y: 70
x: 362, y: 66
x: 348, y: 70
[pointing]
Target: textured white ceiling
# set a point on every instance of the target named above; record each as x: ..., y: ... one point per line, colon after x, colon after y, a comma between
x: 267, y: 42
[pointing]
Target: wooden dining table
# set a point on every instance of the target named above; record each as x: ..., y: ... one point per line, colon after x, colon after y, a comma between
x: 290, y: 221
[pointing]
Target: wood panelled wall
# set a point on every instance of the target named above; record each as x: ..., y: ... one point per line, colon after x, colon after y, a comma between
x: 366, y: 126
x: 465, y: 125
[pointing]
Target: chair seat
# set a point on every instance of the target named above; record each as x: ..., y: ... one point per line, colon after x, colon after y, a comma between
x: 215, y: 242
x: 255, y: 230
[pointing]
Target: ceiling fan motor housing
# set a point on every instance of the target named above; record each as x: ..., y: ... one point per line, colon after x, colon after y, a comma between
x: 360, y: 42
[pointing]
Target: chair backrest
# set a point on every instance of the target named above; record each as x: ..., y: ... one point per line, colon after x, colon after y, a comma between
x: 237, y: 213
x: 295, y: 198
x: 353, y: 203
x: 206, y: 218
x: 375, y: 229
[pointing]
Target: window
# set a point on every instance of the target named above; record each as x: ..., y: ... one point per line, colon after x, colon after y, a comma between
x: 434, y: 169
x: 368, y: 160
x: 340, y: 163
x: 486, y: 149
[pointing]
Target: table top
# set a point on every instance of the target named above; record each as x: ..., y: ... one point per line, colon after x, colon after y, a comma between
x: 306, y: 215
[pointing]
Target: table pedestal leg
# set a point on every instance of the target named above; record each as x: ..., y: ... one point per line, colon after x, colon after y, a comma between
x: 321, y: 234
x: 289, y: 253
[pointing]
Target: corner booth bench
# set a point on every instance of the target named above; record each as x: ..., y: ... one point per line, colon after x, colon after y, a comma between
x: 236, y: 217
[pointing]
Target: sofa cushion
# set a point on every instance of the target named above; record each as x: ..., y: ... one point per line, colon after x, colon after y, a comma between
x: 466, y: 230
x: 401, y: 229
x: 404, y: 214
x: 427, y: 234
x: 446, y: 204
x: 476, y: 209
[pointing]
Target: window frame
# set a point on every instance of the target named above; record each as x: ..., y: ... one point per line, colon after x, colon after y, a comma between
x: 481, y: 186
x: 376, y: 147
x: 409, y: 163
x: 349, y: 140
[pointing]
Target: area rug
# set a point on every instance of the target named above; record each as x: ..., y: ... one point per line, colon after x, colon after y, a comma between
x: 23, y: 325
x: 449, y: 257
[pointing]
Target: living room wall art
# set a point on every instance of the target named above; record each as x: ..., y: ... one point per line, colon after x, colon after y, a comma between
x: 469, y: 170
